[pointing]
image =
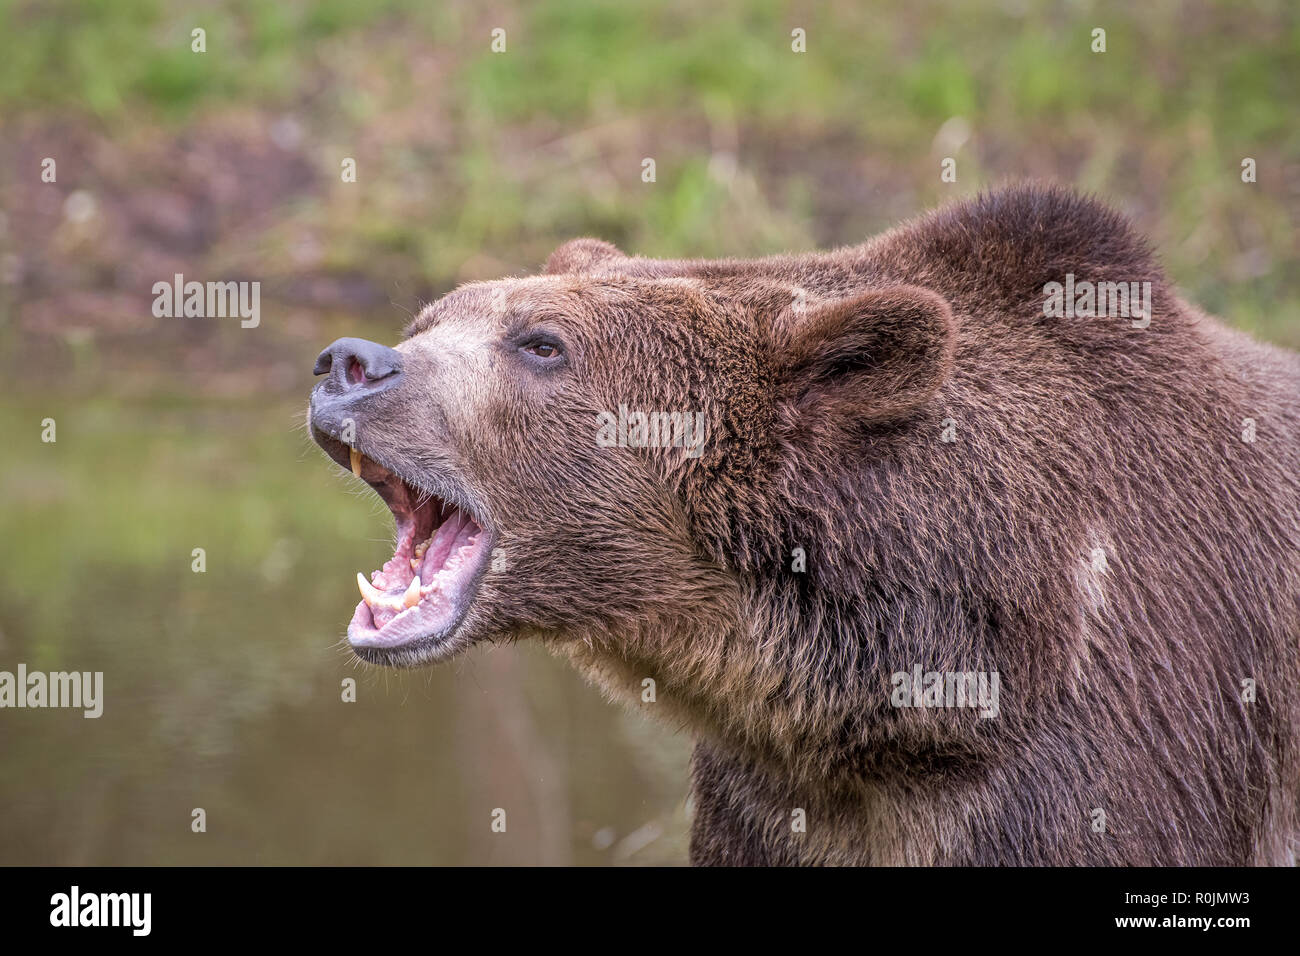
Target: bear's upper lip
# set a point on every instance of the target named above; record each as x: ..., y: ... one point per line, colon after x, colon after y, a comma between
x: 419, y: 598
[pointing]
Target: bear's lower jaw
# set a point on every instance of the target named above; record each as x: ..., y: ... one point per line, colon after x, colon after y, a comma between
x: 413, y: 605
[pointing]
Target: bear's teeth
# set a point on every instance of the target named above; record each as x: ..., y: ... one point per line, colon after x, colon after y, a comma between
x: 412, y: 596
x: 369, y: 593
x: 356, y: 461
x: 376, y: 598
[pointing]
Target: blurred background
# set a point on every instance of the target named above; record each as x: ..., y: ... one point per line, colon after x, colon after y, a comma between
x: 222, y: 689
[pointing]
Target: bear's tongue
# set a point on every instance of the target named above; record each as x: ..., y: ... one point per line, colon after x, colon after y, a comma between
x: 433, y: 548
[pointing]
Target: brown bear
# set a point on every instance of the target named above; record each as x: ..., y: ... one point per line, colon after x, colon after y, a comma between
x: 971, y: 544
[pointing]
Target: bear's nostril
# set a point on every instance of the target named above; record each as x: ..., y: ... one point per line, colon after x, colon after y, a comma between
x: 357, y: 362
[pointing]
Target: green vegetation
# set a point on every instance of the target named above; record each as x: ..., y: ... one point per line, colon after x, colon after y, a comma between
x: 472, y: 160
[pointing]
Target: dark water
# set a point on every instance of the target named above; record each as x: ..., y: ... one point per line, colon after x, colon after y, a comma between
x: 223, y: 689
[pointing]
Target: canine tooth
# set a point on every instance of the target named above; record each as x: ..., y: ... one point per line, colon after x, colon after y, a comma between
x: 412, y: 596
x: 369, y: 593
x: 356, y: 461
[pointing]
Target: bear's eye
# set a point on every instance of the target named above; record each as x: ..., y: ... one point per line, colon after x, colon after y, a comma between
x: 542, y: 348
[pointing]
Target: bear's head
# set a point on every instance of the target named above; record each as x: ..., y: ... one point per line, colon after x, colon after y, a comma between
x: 606, y: 450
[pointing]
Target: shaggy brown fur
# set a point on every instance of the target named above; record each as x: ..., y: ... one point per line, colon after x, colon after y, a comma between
x: 1095, y: 529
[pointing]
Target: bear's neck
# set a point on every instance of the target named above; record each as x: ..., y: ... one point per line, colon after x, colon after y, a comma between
x: 799, y: 683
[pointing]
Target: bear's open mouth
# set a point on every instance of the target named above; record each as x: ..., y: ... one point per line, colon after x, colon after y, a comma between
x: 423, y: 591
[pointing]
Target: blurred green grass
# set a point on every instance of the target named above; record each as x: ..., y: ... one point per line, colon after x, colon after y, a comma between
x: 475, y: 163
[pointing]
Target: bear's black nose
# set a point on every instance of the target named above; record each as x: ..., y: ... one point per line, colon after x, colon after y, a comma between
x: 358, y: 364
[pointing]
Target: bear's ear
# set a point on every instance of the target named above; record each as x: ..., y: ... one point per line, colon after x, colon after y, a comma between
x: 581, y: 255
x: 867, y: 358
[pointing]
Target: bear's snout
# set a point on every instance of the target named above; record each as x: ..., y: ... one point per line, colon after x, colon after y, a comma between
x: 358, y: 364
x: 356, y: 370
